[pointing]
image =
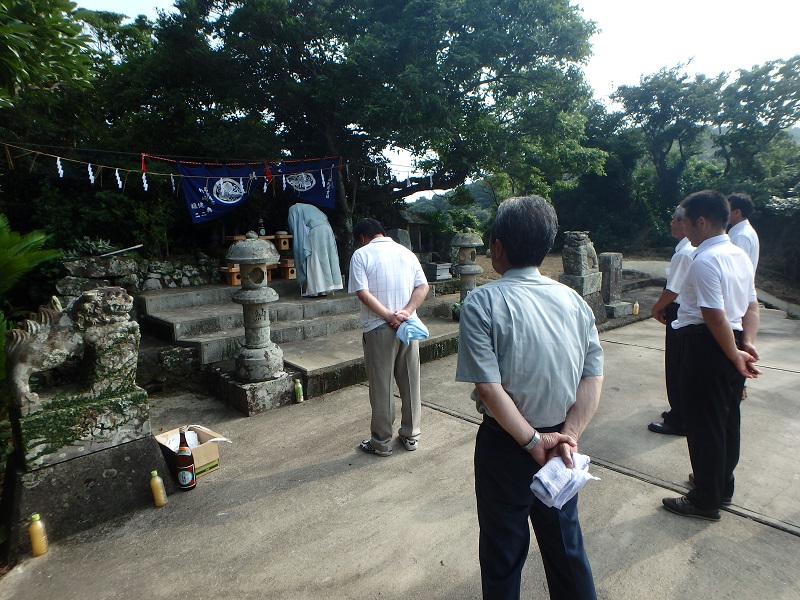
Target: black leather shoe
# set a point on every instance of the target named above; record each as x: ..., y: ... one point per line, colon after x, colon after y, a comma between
x: 665, y: 429
x: 683, y: 507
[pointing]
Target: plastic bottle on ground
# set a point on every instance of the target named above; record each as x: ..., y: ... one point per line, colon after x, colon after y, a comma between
x: 38, y: 535
x: 157, y: 487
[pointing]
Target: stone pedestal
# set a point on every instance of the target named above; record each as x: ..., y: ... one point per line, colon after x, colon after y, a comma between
x: 583, y: 284
x: 255, y: 398
x: 76, y: 495
x: 611, y: 268
x: 437, y: 271
x: 69, y: 425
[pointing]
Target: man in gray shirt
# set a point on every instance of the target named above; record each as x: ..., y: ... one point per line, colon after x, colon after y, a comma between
x: 530, y: 346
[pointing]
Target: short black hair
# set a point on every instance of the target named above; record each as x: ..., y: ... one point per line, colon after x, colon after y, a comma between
x: 710, y: 204
x: 368, y: 228
x: 527, y: 227
x: 743, y: 202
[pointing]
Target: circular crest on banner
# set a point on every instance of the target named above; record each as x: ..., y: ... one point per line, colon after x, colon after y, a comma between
x: 228, y: 190
x: 302, y: 182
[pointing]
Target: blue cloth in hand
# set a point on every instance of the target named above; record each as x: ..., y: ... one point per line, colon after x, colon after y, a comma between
x: 413, y: 329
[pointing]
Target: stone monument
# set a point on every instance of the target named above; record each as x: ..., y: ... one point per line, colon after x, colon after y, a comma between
x: 611, y: 268
x: 258, y: 382
x: 581, y: 271
x: 83, y: 448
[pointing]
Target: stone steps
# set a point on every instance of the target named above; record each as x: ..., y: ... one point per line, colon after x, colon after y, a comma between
x: 206, y: 319
x: 223, y: 344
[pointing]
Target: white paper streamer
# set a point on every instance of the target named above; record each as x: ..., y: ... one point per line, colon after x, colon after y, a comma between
x: 172, y: 180
x: 59, y: 168
x: 144, y: 181
x: 91, y: 175
x: 284, y: 182
x: 119, y: 180
x: 322, y: 177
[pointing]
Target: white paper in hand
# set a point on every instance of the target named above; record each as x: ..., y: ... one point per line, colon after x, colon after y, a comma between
x: 555, y: 484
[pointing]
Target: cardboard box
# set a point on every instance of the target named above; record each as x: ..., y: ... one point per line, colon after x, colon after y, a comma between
x: 206, y: 454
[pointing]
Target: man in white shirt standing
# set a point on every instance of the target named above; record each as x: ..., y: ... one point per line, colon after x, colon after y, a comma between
x: 741, y: 232
x: 716, y: 325
x: 391, y: 285
x: 665, y: 310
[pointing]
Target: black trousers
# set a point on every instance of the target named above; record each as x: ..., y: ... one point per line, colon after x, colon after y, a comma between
x: 674, y: 417
x: 503, y: 475
x: 711, y: 389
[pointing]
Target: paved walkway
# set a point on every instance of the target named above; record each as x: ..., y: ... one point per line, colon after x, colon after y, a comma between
x: 297, y: 512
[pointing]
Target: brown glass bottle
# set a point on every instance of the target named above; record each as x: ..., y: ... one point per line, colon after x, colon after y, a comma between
x: 184, y: 461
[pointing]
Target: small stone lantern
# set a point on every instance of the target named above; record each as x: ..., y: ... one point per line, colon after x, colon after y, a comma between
x: 259, y: 359
x: 467, y: 243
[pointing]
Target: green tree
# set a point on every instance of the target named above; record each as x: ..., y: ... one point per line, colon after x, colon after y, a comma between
x: 671, y: 109
x: 753, y: 111
x: 41, y: 46
x: 468, y: 86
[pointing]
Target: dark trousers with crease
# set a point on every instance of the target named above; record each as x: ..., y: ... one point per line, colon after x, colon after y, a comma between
x: 711, y: 389
x: 674, y: 417
x: 503, y: 475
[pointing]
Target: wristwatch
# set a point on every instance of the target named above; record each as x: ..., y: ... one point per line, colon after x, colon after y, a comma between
x: 534, y: 440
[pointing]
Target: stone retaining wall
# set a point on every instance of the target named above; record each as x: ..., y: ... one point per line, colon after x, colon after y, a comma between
x: 136, y: 274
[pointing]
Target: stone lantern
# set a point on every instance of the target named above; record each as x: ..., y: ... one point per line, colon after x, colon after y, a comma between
x: 259, y: 359
x: 467, y: 243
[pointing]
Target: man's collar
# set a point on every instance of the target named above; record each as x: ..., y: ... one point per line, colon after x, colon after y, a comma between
x: 712, y: 241
x: 530, y: 271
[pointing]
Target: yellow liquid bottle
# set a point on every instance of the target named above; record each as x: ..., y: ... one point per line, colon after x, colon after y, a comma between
x: 298, y: 391
x: 38, y: 535
x: 157, y: 487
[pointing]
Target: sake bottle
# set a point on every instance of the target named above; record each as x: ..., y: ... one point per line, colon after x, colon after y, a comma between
x: 184, y: 461
x: 157, y: 487
x: 298, y: 391
x: 38, y: 535
x: 636, y: 308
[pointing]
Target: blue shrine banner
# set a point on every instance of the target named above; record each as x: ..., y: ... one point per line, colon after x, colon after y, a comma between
x: 213, y: 190
x: 311, y: 181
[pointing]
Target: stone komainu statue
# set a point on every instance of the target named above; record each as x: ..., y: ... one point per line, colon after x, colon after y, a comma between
x: 97, y: 328
x: 578, y: 255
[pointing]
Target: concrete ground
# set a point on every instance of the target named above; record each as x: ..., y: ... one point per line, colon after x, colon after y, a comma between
x: 296, y: 511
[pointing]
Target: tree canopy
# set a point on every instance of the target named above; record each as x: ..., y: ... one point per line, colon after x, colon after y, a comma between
x: 41, y: 45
